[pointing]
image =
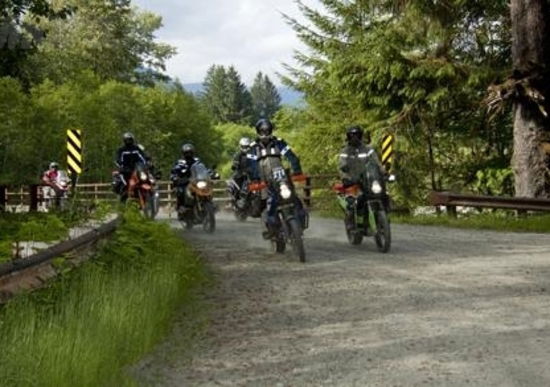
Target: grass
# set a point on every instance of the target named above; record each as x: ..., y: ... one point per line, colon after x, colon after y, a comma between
x: 496, y: 220
x: 499, y: 221
x: 89, y: 325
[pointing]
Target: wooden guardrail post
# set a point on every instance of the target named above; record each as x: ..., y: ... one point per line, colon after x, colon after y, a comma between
x: 3, y: 197
x: 33, y: 191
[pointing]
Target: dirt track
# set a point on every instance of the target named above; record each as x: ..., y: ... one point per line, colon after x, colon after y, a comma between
x: 445, y: 307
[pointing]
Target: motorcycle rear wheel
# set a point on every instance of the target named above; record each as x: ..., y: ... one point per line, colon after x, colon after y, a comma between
x: 383, y: 231
x: 296, y: 235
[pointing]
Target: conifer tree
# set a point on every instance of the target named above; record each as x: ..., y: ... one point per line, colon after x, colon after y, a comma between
x: 266, y: 100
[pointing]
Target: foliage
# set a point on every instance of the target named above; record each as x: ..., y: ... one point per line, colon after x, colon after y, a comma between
x: 266, y: 100
x: 417, y: 70
x: 230, y: 135
x: 18, y: 37
x: 108, y: 318
x: 225, y: 96
x: 162, y: 119
x: 494, y: 182
x: 109, y: 37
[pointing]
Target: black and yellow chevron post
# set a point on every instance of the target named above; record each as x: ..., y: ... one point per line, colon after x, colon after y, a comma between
x: 387, y: 150
x: 74, y: 151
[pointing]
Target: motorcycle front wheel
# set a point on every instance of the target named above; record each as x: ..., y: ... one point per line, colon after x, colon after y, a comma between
x: 297, y: 239
x: 383, y: 231
x: 355, y: 237
x: 209, y: 221
x: 148, y: 204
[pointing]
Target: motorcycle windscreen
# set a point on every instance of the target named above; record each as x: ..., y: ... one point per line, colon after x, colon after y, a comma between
x: 62, y: 176
x: 199, y: 172
x: 373, y: 173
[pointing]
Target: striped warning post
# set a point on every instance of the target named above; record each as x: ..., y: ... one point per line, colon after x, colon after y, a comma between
x: 74, y: 151
x: 387, y: 150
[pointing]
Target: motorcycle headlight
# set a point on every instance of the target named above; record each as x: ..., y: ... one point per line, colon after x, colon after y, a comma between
x: 376, y: 187
x: 285, y: 191
x: 202, y: 184
x: 142, y: 176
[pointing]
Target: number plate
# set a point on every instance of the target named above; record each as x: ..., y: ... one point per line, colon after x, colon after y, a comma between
x: 279, y: 174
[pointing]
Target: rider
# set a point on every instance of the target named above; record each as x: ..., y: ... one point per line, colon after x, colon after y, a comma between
x: 355, y: 155
x: 51, y: 174
x: 240, y: 162
x: 262, y: 153
x: 181, y: 174
x: 128, y: 157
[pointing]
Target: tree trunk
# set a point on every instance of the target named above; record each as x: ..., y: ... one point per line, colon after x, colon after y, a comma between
x: 531, y: 58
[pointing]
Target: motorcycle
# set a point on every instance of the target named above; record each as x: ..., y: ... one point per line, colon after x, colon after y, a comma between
x: 56, y: 195
x: 141, y: 186
x: 200, y: 191
x: 244, y: 202
x: 366, y: 207
x: 292, y: 218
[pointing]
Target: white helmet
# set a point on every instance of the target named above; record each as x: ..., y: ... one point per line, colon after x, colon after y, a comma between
x: 244, y: 144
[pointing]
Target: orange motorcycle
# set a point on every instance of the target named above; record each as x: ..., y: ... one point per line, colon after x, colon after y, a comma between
x: 141, y: 187
x: 199, y: 193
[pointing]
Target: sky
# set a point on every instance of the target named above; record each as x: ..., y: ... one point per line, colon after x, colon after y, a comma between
x: 249, y: 34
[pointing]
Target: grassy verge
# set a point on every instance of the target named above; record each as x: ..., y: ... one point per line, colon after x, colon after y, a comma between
x: 89, y: 325
x: 325, y: 205
x: 499, y: 221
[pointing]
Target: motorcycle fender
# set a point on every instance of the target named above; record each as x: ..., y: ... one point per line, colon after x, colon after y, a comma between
x: 342, y: 202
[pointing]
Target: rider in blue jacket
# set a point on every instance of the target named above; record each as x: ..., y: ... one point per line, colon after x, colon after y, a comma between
x: 265, y: 156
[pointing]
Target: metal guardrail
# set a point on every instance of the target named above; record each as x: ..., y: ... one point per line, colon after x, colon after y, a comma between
x: 59, y: 249
x: 452, y: 200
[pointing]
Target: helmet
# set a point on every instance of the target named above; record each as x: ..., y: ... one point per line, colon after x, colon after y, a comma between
x: 264, y: 129
x: 354, y: 135
x: 54, y: 165
x: 188, y: 151
x: 244, y: 144
x: 128, y: 138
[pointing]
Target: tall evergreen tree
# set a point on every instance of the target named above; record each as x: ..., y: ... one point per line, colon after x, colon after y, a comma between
x: 226, y: 96
x: 238, y: 102
x: 266, y: 100
x: 415, y: 67
x: 214, y: 94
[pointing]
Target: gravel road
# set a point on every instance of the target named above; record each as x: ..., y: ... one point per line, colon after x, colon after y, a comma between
x: 445, y: 307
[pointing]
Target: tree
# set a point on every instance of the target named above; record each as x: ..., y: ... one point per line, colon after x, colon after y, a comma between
x: 531, y: 80
x: 239, y: 101
x: 18, y: 37
x: 226, y: 96
x: 416, y: 68
x: 109, y: 37
x: 214, y: 94
x: 266, y: 100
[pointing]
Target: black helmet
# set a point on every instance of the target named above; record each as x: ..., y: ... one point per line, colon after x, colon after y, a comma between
x: 128, y: 138
x: 188, y: 151
x: 264, y: 129
x: 354, y: 135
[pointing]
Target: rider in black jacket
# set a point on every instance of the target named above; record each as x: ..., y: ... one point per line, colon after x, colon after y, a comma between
x: 127, y: 158
x: 181, y: 174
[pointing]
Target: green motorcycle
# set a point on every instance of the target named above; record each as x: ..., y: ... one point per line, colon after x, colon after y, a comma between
x: 366, y: 207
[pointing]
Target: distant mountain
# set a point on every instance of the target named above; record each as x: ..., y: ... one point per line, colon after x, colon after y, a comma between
x: 288, y: 95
